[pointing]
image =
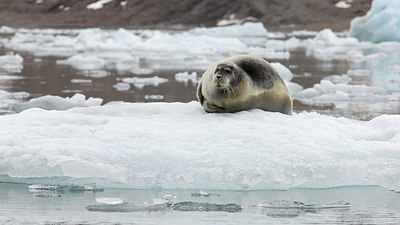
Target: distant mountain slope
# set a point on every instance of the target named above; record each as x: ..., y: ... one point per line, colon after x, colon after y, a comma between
x: 179, y: 14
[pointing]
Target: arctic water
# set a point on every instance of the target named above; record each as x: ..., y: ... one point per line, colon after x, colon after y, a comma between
x: 117, y: 108
x: 368, y: 205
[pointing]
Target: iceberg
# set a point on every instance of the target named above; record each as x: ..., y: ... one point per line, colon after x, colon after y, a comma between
x: 178, y: 145
x: 380, y: 24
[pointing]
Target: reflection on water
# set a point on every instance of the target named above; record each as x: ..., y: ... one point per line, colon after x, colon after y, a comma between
x: 369, y: 205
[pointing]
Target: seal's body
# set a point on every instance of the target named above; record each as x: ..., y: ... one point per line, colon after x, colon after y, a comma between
x: 243, y: 82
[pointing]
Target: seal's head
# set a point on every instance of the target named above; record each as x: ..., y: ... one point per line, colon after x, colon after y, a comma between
x: 226, y: 75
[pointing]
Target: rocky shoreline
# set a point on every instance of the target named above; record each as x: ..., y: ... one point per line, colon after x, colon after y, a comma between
x: 282, y: 15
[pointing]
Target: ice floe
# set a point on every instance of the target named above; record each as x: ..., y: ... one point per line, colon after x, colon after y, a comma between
x: 140, y: 82
x: 185, y: 77
x: 57, y: 103
x: 178, y: 145
x: 381, y: 23
x: 8, y: 99
x: 11, y: 63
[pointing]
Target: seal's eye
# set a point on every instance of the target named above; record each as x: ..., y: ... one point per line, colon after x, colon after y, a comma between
x: 227, y: 70
x: 216, y: 70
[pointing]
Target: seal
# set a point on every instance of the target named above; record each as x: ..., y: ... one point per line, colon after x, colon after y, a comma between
x: 243, y: 82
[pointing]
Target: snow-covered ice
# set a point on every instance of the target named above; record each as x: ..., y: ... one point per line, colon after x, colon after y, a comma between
x: 178, y: 145
x: 381, y: 23
x: 57, y: 103
x: 109, y: 200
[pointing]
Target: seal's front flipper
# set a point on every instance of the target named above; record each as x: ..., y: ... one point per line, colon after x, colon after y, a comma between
x: 200, y: 96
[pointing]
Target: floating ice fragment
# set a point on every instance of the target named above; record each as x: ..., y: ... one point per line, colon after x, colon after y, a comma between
x: 342, y: 4
x: 82, y: 188
x: 185, y: 77
x: 98, y: 5
x: 359, y: 72
x: 78, y: 81
x: 140, y: 82
x: 11, y: 63
x: 109, y: 200
x: 154, y: 97
x: 94, y: 73
x: 7, y: 30
x: 83, y: 62
x: 49, y: 102
x: 121, y: 86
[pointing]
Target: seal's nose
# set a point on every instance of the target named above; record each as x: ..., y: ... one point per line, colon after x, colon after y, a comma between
x: 219, y: 77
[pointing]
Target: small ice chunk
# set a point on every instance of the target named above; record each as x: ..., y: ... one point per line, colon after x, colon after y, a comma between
x: 94, y: 73
x: 109, y: 200
x: 342, y: 4
x: 336, y: 79
x: 49, y: 102
x: 7, y: 30
x: 359, y: 72
x: 154, y: 97
x: 121, y: 86
x: 140, y: 82
x: 77, y: 81
x: 185, y: 77
x: 11, y: 63
x: 98, y: 5
x: 82, y: 62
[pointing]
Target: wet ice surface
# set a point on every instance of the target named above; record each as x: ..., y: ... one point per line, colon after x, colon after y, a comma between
x: 369, y: 205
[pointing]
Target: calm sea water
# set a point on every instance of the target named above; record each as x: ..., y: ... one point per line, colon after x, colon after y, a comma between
x: 369, y: 205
